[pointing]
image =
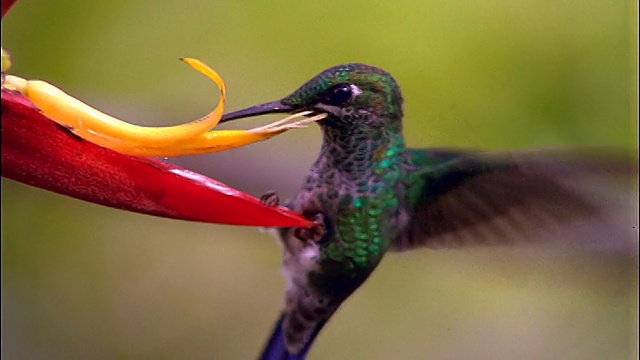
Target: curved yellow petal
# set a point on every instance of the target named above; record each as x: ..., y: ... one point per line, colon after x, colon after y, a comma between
x: 213, y: 141
x: 171, y: 141
x: 108, y: 131
x: 221, y: 140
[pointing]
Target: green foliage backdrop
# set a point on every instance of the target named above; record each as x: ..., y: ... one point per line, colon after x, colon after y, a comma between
x: 83, y: 281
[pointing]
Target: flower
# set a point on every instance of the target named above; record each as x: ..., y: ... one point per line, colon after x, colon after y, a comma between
x: 42, y: 146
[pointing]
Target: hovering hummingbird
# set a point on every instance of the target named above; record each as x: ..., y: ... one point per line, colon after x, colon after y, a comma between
x: 369, y: 194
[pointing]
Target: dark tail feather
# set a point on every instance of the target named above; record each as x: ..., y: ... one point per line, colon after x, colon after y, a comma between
x: 276, y: 350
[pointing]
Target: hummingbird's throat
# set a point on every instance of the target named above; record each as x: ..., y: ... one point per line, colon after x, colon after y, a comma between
x: 355, y: 154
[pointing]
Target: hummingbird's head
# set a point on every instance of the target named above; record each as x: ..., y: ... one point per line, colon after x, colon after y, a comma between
x: 355, y: 96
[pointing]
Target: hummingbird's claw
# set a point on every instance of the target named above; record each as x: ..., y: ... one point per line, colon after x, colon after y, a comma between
x: 270, y: 198
x: 316, y: 233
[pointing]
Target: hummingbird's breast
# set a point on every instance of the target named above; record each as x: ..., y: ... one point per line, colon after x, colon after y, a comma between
x: 356, y: 186
x: 320, y: 276
x: 360, y: 208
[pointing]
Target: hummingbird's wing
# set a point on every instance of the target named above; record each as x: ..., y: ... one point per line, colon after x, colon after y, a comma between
x: 456, y: 198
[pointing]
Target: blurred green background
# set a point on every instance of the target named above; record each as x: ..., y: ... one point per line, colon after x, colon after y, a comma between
x: 82, y: 281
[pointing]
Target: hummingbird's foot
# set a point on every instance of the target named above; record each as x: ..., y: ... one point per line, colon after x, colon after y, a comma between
x: 316, y: 233
x: 270, y: 198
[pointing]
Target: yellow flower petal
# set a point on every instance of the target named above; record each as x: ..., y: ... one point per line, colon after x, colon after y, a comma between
x: 108, y: 131
x: 171, y: 141
x: 221, y: 140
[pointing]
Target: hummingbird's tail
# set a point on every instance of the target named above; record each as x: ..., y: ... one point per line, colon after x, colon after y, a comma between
x: 275, y: 349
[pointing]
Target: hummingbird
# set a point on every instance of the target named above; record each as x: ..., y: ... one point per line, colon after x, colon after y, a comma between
x: 369, y: 194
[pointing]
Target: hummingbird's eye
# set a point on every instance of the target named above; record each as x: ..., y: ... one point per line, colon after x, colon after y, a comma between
x: 338, y: 95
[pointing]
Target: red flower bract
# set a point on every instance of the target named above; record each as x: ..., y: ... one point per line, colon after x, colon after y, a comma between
x: 39, y: 152
x: 6, y: 6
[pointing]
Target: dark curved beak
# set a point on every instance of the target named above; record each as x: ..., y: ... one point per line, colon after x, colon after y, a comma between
x: 262, y: 109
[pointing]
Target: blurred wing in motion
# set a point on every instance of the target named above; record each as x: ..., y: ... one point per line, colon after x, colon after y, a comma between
x: 458, y: 198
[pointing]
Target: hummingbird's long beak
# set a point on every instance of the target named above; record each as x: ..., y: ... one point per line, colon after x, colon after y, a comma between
x: 262, y: 109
